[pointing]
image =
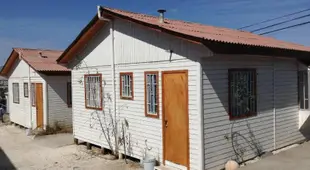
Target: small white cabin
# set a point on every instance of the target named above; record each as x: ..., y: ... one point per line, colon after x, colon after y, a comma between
x: 39, y: 89
x: 196, y: 95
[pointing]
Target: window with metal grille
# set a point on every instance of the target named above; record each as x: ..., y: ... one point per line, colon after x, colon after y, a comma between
x: 16, y: 93
x: 151, y: 94
x: 33, y: 94
x: 26, y: 90
x: 126, y: 86
x: 303, y: 90
x: 69, y: 94
x: 93, y: 91
x: 242, y: 93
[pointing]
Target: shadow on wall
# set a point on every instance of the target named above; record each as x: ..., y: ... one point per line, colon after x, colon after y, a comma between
x: 242, y: 143
x: 5, y: 162
x: 253, y: 135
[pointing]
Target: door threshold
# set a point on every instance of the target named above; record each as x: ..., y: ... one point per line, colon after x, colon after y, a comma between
x: 163, y: 167
x: 175, y: 166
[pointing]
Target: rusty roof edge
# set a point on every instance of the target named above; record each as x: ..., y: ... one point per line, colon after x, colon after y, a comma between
x: 7, y: 60
x: 162, y: 29
x: 195, y: 38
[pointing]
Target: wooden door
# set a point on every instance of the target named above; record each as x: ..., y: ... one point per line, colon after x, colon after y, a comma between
x: 39, y: 104
x: 175, y: 117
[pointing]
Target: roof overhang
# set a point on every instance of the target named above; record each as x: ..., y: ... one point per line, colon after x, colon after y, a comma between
x: 79, y: 42
x: 229, y: 48
x: 95, y: 25
x: 216, y: 46
x: 9, y: 63
x: 56, y: 73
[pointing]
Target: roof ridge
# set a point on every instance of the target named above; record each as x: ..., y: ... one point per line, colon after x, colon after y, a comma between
x: 115, y: 10
x: 179, y: 20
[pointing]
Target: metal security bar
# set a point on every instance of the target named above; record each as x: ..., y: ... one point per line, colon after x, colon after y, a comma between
x: 26, y: 92
x: 242, y: 92
x: 93, y: 91
x: 151, y: 87
x: 126, y: 85
x: 15, y: 92
x: 33, y: 94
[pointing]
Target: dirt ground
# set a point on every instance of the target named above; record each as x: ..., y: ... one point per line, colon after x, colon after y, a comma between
x: 18, y: 151
x: 292, y: 158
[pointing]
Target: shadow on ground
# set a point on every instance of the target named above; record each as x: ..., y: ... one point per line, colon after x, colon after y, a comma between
x: 5, y: 162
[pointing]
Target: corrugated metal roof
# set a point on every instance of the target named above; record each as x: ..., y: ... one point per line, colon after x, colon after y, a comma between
x: 211, y: 33
x: 188, y: 30
x: 41, y: 59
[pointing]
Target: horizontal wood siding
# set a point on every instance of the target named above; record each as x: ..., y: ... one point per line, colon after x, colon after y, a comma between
x: 287, y: 117
x: 143, y: 128
x: 137, y: 44
x: 19, y: 113
x: 217, y: 125
x: 86, y: 122
x: 137, y: 49
x: 58, y: 111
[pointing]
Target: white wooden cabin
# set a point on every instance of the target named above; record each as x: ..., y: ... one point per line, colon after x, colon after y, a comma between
x: 175, y: 83
x: 39, y: 89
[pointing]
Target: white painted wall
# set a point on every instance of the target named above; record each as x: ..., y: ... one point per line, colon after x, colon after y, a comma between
x: 215, y: 98
x: 58, y: 110
x: 98, y: 52
x: 136, y: 50
x: 20, y: 113
x: 304, y: 114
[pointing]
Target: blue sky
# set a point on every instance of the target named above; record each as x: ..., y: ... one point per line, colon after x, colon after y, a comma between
x: 55, y: 23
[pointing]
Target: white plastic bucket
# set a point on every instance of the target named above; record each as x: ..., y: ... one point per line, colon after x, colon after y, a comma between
x: 149, y: 163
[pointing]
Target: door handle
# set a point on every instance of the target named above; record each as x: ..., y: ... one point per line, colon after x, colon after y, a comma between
x: 166, y: 123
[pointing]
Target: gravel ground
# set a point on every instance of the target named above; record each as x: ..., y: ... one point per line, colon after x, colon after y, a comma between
x: 18, y: 151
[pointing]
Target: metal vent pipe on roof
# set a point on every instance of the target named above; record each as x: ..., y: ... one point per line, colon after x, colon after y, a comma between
x: 41, y: 55
x: 161, y: 15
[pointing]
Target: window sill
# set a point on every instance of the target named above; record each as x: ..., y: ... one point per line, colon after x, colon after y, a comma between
x: 93, y: 108
x: 156, y: 116
x: 126, y: 98
x: 231, y: 118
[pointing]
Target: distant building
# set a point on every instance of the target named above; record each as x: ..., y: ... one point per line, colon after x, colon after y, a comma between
x: 3, y: 86
x: 39, y: 90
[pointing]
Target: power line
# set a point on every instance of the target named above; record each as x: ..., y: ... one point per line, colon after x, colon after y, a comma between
x: 284, y: 28
x: 272, y: 19
x: 280, y: 23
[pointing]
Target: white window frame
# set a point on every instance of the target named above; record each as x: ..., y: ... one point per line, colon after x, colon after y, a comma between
x: 26, y: 90
x: 69, y: 94
x: 126, y: 86
x: 16, y: 97
x: 93, y: 91
x: 151, y: 94
x: 303, y: 90
x: 33, y: 94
